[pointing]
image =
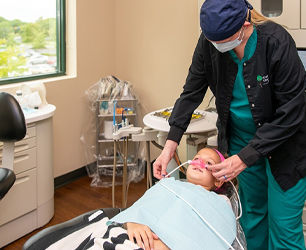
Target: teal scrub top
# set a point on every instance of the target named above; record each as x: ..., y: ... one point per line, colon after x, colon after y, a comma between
x: 242, y: 126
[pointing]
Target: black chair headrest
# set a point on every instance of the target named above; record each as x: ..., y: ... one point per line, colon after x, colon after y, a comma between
x: 12, y: 122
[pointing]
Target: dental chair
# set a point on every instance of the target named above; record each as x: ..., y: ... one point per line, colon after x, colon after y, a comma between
x: 41, y: 240
x: 12, y: 129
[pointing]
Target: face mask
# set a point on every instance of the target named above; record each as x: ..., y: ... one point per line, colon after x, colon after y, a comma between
x: 227, y: 46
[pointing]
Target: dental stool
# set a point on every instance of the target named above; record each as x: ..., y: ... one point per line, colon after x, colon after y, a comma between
x: 12, y: 128
x: 7, y: 179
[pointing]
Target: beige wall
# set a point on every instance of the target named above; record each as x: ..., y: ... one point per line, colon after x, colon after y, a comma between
x: 147, y: 42
x: 155, y: 40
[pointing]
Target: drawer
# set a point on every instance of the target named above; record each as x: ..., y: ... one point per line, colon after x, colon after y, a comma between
x: 24, y: 160
x: 21, y: 198
x: 31, y: 132
x: 25, y: 144
x: 22, y: 145
x: 286, y: 18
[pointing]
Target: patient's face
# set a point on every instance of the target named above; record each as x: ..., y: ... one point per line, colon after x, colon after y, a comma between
x: 202, y: 176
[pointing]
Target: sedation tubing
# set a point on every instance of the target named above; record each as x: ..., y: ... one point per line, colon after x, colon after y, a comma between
x: 203, y: 165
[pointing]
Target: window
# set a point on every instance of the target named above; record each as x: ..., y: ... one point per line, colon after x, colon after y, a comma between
x: 32, y: 39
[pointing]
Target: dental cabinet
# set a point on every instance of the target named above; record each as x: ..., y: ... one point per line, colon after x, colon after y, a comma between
x: 291, y: 14
x: 124, y: 109
x: 30, y: 202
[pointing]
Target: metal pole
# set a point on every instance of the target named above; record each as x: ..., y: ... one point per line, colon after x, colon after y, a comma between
x: 114, y: 174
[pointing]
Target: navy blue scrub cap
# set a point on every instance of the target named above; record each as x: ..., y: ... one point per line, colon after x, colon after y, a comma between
x: 220, y: 19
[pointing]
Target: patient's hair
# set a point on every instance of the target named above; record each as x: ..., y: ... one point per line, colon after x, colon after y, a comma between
x: 225, y: 189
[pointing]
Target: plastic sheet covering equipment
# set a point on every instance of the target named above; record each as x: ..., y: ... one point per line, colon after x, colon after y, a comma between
x: 97, y: 133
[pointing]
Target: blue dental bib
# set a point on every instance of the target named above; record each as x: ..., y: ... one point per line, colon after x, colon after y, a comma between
x: 175, y: 221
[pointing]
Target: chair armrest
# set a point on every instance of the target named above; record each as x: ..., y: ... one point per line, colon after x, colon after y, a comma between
x: 111, y: 212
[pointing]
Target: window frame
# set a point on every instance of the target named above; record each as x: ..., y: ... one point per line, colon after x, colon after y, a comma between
x: 60, y: 49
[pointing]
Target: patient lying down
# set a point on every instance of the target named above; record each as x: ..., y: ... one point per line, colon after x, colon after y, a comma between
x: 182, y: 215
x: 173, y: 214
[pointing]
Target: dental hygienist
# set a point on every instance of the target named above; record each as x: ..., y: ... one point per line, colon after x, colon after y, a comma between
x: 252, y: 67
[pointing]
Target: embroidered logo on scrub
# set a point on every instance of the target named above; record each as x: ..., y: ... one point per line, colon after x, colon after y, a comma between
x: 262, y: 80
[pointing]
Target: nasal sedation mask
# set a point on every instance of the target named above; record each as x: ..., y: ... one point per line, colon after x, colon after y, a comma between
x: 198, y: 163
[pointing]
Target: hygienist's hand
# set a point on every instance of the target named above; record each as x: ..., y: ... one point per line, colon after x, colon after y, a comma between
x: 228, y: 169
x: 142, y: 234
x: 160, y: 165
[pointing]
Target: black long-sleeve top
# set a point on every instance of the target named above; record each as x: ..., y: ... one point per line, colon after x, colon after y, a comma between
x: 277, y: 100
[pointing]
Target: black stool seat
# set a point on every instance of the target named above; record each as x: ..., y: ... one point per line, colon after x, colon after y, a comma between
x: 7, y: 179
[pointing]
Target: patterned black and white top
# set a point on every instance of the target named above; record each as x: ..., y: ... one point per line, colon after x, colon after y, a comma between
x: 91, y: 233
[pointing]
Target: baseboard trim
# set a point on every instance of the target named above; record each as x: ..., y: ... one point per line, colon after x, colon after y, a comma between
x: 70, y: 177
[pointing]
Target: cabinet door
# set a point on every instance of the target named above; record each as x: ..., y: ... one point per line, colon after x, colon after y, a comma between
x: 289, y: 12
x: 303, y: 14
x: 21, y: 199
x: 25, y: 160
x: 24, y: 156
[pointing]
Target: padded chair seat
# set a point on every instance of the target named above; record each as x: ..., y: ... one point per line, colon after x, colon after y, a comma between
x: 7, y: 179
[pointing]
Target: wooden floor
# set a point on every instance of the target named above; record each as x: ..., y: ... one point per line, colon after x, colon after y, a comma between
x: 79, y: 197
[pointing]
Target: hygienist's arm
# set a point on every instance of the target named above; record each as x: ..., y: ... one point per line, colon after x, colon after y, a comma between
x: 160, y: 165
